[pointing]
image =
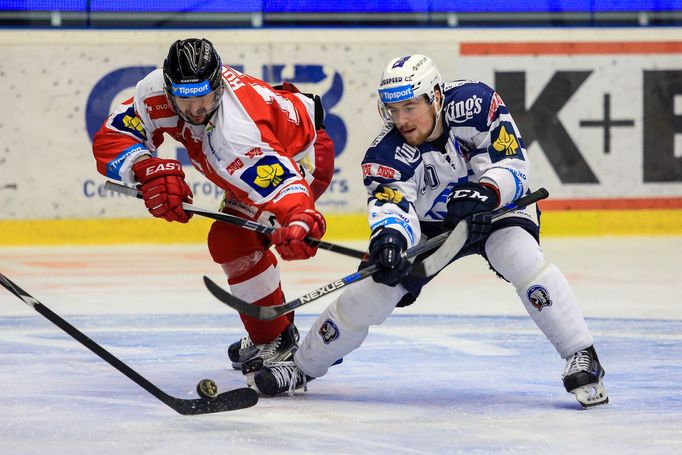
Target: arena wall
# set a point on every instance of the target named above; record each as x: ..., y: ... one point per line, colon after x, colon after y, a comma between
x: 599, y: 109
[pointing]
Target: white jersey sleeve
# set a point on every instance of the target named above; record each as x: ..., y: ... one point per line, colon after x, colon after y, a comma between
x: 390, y: 173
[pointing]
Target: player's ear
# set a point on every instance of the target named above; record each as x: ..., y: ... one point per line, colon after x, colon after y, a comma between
x: 437, y: 95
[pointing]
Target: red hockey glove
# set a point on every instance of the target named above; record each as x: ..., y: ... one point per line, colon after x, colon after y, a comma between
x: 163, y: 188
x: 288, y: 239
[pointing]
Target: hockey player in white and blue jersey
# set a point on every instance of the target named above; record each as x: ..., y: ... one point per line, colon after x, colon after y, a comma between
x: 448, y: 152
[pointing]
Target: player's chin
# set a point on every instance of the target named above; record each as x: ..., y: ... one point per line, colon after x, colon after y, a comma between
x: 413, y: 137
x: 198, y: 120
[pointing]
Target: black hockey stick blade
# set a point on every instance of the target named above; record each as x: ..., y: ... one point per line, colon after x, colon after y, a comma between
x: 231, y: 400
x: 227, y: 401
x: 271, y: 312
x: 238, y: 221
x: 454, y: 243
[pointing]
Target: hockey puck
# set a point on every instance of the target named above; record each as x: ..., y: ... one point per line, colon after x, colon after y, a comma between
x: 207, y: 388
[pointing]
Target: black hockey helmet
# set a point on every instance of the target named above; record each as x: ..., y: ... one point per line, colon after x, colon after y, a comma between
x: 192, y: 70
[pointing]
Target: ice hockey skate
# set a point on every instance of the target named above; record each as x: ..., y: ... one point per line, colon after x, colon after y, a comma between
x: 280, y: 377
x: 583, y: 378
x: 241, y: 351
x: 252, y: 358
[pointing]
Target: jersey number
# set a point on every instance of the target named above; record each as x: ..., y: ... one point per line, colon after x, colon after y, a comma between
x: 287, y: 106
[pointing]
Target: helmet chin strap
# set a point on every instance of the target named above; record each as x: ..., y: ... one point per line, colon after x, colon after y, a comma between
x: 436, y: 130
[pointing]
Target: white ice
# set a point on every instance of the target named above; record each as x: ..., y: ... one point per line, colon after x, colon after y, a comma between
x: 464, y: 370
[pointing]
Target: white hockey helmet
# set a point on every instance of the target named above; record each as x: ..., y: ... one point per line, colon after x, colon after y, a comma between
x: 409, y: 77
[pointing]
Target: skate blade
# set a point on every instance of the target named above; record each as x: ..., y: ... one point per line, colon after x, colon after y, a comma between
x: 591, y: 394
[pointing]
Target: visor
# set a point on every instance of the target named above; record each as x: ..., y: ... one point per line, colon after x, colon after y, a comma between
x: 407, y: 112
x: 195, y: 102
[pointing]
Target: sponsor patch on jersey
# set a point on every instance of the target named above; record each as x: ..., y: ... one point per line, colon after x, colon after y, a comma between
x: 235, y: 166
x: 240, y: 206
x: 459, y: 83
x: 254, y: 152
x: 394, y: 223
x: 538, y: 297
x: 385, y: 194
x: 114, y: 166
x: 128, y: 122
x: 292, y: 189
x: 504, y: 143
x: 266, y: 175
x: 158, y: 107
x: 463, y: 110
x: 329, y: 331
x: 380, y: 171
x: 407, y: 154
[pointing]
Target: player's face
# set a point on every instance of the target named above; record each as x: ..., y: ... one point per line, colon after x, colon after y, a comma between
x: 197, y: 110
x: 413, y: 118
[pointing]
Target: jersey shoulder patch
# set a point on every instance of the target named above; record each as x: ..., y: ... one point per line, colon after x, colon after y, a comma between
x: 126, y: 120
x: 505, y: 143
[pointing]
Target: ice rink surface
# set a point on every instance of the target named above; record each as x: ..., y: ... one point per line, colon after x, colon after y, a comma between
x: 464, y: 370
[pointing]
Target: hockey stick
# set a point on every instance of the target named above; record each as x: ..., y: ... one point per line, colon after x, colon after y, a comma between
x: 241, y: 222
x: 227, y: 401
x: 449, y: 249
x: 271, y: 312
x: 459, y: 233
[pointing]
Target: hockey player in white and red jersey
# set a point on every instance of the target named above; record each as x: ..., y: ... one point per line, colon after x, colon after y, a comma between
x: 264, y: 146
x: 448, y: 152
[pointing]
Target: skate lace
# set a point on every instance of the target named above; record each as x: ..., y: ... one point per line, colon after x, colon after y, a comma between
x: 246, y: 343
x: 286, y: 374
x: 581, y: 361
x: 269, y: 349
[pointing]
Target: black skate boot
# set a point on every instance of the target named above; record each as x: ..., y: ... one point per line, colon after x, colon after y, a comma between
x: 241, y: 351
x: 245, y: 352
x: 280, y: 377
x: 583, y: 378
x: 281, y: 349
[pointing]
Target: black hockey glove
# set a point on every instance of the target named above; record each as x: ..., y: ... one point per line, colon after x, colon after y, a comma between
x: 385, y: 249
x: 472, y: 202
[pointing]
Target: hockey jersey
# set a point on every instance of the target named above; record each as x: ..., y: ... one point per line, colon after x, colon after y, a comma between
x: 408, y: 186
x: 258, y: 146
